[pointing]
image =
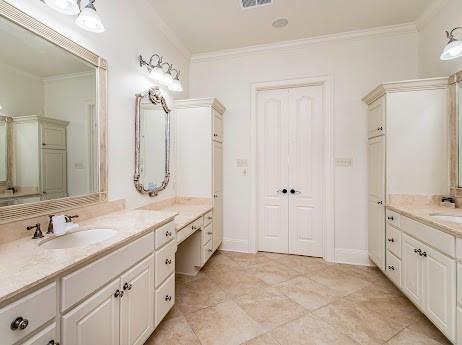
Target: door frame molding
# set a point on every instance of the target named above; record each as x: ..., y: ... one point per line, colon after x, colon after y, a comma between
x: 326, y: 82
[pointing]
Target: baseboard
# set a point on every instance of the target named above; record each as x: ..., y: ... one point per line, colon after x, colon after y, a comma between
x: 233, y: 245
x: 352, y: 257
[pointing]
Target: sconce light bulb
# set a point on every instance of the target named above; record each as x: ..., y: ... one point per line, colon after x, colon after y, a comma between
x: 157, y: 74
x: 452, y: 50
x: 175, y: 86
x: 168, y: 79
x: 89, y: 20
x: 68, y: 7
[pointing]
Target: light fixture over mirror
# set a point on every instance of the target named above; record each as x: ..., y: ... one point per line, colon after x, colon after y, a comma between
x: 87, y: 18
x: 156, y: 69
x: 453, y: 49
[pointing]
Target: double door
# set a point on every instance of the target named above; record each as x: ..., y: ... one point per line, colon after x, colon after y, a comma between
x: 290, y: 170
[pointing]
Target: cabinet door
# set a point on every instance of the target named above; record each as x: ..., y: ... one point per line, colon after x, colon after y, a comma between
x: 53, y: 137
x: 412, y: 270
x: 376, y: 118
x: 376, y: 200
x: 44, y: 337
x: 217, y: 126
x: 217, y: 227
x: 440, y: 291
x: 53, y: 168
x: 95, y: 321
x: 137, y: 304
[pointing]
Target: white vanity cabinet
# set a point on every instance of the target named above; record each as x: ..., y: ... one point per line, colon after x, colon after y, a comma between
x: 405, y: 119
x: 199, y: 152
x: 426, y: 260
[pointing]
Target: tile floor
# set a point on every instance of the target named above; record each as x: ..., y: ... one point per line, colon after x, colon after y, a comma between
x: 274, y: 299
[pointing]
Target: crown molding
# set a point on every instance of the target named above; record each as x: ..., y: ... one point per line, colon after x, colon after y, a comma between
x: 433, y: 9
x: 300, y: 43
x: 406, y: 86
x: 200, y: 102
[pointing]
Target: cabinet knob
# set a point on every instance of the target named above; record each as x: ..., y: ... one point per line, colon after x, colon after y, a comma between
x: 209, y: 233
x: 168, y: 234
x: 19, y: 323
x: 168, y: 298
x: 418, y: 251
x: 210, y: 250
x: 168, y: 261
x: 215, y: 135
x: 380, y: 128
x: 424, y: 254
x: 391, y: 218
x: 391, y: 268
x: 118, y: 293
x: 128, y: 286
x: 379, y: 202
x: 52, y: 342
x: 215, y: 196
x: 209, y: 217
x: 391, y: 240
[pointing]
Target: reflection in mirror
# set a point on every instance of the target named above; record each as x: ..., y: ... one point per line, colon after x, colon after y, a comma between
x: 152, y: 143
x: 48, y: 127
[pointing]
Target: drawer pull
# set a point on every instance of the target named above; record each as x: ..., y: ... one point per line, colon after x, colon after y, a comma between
x: 209, y: 217
x: 380, y: 128
x: 119, y: 293
x: 19, y: 323
x: 52, y: 342
x: 424, y: 254
x: 209, y: 233
x: 391, y: 240
x: 391, y: 268
x: 168, y: 234
x: 168, y: 298
x: 210, y: 250
x: 168, y: 261
x: 128, y: 286
x: 391, y: 218
x: 418, y: 251
x: 379, y: 202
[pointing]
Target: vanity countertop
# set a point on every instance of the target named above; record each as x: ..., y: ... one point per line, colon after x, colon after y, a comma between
x: 422, y: 214
x: 18, y: 195
x: 187, y: 209
x: 24, y: 264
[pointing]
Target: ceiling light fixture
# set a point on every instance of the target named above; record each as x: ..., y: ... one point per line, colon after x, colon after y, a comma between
x: 453, y: 49
x: 158, y: 74
x: 280, y: 23
x: 87, y: 18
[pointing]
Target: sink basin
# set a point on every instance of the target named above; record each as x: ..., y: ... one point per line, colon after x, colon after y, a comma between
x: 447, y: 218
x: 79, y: 238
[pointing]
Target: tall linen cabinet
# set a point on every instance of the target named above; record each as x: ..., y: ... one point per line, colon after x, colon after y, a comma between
x: 407, y: 126
x: 199, y: 155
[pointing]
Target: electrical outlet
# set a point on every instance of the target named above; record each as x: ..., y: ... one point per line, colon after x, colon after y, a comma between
x: 344, y: 162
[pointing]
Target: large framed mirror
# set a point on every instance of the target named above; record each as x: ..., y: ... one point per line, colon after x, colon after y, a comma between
x: 152, y: 143
x: 52, y: 120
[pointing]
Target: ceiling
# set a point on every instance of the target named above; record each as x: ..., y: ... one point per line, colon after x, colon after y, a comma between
x: 210, y: 25
x: 29, y: 53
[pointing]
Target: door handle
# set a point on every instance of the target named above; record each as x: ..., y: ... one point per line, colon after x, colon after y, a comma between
x: 293, y: 191
x: 283, y: 191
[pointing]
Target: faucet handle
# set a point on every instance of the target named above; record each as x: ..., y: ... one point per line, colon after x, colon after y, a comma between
x: 50, y: 225
x: 69, y: 218
x: 38, y: 231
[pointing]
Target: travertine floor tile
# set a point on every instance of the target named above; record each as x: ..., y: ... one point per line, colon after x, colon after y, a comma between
x: 307, y: 292
x: 407, y: 337
x: 309, y: 331
x: 221, y: 263
x: 300, y: 264
x: 273, y: 273
x: 359, y: 323
x: 199, y: 294
x: 247, y: 259
x: 173, y: 332
x: 224, y: 324
x: 270, y: 307
x: 338, y: 280
x: 264, y: 339
x: 423, y: 326
x: 238, y: 283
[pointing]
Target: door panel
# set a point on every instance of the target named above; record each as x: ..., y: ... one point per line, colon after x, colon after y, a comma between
x: 53, y: 172
x: 272, y: 153
x: 305, y: 170
x: 412, y: 270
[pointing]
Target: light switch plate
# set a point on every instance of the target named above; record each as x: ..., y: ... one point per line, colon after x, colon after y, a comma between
x: 344, y: 162
x: 242, y: 163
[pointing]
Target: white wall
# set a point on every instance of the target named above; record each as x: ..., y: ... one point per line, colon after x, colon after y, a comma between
x: 356, y: 66
x: 446, y: 14
x: 21, y: 93
x: 68, y: 98
x: 131, y: 29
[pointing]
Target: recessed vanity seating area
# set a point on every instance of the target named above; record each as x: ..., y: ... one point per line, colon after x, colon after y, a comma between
x: 413, y: 159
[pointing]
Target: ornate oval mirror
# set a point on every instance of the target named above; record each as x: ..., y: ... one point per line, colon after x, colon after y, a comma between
x: 152, y: 143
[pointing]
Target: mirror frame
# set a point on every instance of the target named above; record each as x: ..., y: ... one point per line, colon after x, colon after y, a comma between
x: 14, y: 213
x: 455, y: 82
x: 155, y: 96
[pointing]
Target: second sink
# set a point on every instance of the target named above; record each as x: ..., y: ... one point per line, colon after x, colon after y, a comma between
x: 80, y: 238
x: 448, y: 218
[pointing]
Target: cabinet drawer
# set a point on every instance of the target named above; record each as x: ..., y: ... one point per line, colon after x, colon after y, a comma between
x: 207, y: 233
x: 83, y: 282
x: 208, y: 218
x: 393, y: 269
x: 37, y: 308
x: 393, y: 218
x: 165, y: 298
x: 44, y: 337
x: 165, y: 262
x: 393, y: 240
x: 190, y: 229
x: 207, y: 252
x: 165, y: 234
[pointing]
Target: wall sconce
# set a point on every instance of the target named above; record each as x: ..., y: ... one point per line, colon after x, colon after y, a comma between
x: 87, y: 18
x: 453, y: 49
x: 156, y: 68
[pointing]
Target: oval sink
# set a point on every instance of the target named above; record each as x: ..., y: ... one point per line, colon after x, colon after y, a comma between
x: 447, y: 218
x: 80, y: 238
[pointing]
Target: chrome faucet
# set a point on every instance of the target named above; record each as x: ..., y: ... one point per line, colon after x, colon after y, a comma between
x: 38, y: 231
x: 50, y: 225
x: 69, y: 218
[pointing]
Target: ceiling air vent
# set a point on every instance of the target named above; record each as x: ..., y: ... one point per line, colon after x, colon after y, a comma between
x: 254, y: 3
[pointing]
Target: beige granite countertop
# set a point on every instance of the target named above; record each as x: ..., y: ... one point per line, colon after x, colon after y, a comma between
x: 422, y: 213
x: 187, y: 209
x: 18, y: 195
x: 24, y: 264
